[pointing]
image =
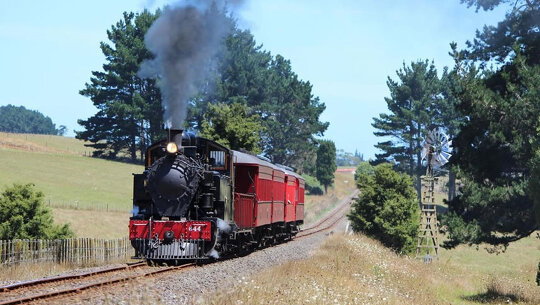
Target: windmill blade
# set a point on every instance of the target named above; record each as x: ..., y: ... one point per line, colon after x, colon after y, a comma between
x: 430, y: 138
x: 446, y: 155
x: 443, y: 159
x: 424, y: 152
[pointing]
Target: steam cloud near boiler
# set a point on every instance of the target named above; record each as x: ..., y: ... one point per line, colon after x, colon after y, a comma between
x: 184, y: 39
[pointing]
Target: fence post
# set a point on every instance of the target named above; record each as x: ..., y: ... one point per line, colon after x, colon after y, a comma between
x: 2, y: 251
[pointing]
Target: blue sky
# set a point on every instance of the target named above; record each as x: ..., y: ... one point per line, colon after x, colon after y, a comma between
x: 345, y: 48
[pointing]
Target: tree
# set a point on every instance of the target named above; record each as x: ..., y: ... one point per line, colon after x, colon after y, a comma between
x: 129, y: 113
x: 232, y: 126
x: 266, y: 84
x: 22, y: 120
x: 364, y: 168
x: 23, y: 215
x: 495, y: 152
x: 497, y: 148
x: 387, y: 208
x: 415, y: 106
x: 326, y: 163
x: 62, y: 130
x: 291, y: 115
x: 313, y: 186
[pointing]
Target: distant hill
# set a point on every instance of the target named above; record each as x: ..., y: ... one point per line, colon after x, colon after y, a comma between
x: 22, y: 120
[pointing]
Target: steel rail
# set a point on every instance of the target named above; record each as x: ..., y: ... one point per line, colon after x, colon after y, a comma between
x: 334, y: 212
x: 321, y: 229
x: 68, y: 277
x: 81, y: 288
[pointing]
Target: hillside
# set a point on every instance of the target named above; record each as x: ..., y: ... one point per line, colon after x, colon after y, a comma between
x: 44, y: 143
x: 68, y: 179
x: 93, y: 195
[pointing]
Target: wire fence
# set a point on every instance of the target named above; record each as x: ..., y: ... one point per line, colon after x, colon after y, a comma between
x: 64, y: 251
x: 94, y: 206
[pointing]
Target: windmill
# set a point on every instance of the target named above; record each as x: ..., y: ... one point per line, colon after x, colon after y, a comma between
x: 436, y: 153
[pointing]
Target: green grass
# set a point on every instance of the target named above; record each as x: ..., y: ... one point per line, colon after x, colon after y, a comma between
x: 71, y: 180
x: 519, y: 260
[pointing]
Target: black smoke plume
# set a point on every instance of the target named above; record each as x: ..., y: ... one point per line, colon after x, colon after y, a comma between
x: 184, y: 40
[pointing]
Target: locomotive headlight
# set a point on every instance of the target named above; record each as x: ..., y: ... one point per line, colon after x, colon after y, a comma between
x: 172, y: 148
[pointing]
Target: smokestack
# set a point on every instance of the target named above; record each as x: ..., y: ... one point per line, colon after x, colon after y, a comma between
x: 175, y: 135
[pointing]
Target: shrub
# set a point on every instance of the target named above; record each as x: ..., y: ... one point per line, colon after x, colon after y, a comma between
x: 23, y: 215
x: 364, y: 168
x: 387, y: 209
x: 313, y: 186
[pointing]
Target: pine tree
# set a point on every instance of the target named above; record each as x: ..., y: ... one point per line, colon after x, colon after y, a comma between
x: 497, y: 148
x: 326, y: 163
x: 267, y: 85
x: 129, y: 113
x: 415, y: 106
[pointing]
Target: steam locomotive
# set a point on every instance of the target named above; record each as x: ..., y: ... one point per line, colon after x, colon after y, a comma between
x: 197, y: 199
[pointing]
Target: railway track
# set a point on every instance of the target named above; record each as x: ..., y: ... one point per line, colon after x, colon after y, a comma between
x: 61, y: 286
x: 337, y: 214
x: 48, y: 288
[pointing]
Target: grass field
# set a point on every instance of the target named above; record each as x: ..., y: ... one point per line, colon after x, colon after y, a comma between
x: 70, y: 180
x: 44, y: 143
x: 358, y: 270
x: 93, y: 195
x: 94, y: 224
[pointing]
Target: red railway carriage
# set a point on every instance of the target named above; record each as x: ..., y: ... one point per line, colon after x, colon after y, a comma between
x: 197, y: 198
x: 267, y: 194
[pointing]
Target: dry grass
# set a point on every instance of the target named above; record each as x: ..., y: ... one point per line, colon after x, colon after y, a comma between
x: 358, y: 270
x: 317, y: 206
x: 343, y: 271
x: 505, y: 291
x: 94, y: 224
x: 498, y: 278
x: 25, y: 272
x: 44, y: 143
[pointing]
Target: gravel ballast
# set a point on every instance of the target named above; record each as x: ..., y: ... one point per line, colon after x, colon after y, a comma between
x: 189, y: 286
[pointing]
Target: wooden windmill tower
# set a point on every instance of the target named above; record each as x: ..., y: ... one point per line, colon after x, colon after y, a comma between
x: 436, y: 152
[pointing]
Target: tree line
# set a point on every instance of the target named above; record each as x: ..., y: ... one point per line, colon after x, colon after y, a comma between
x: 22, y: 120
x: 253, y: 100
x: 489, y: 104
